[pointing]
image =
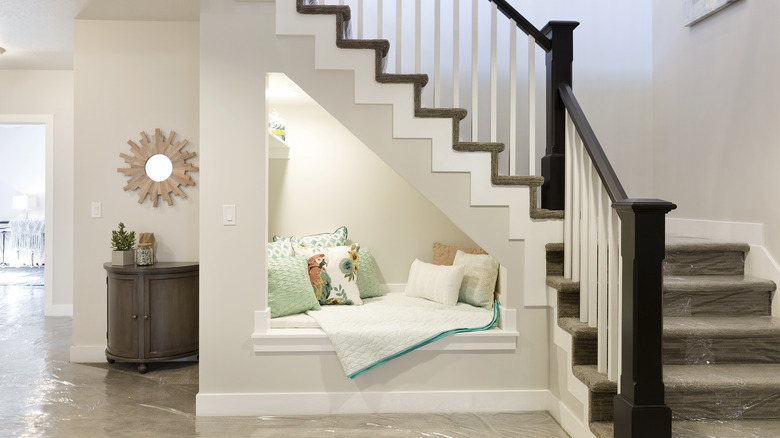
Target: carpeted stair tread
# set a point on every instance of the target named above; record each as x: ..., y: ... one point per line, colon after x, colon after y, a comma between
x: 721, y: 340
x: 575, y: 327
x: 716, y: 283
x: 394, y: 78
x: 383, y: 46
x: 467, y: 146
x: 595, y: 381
x: 697, y: 244
x: 722, y: 377
x: 722, y: 326
x: 717, y: 295
x: 563, y: 285
x: 603, y: 429
x: 444, y: 113
x: 726, y: 429
x: 344, y: 11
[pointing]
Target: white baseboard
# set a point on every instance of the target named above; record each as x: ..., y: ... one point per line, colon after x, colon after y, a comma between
x: 742, y: 232
x: 88, y: 353
x: 568, y: 420
x: 58, y: 310
x: 320, y: 403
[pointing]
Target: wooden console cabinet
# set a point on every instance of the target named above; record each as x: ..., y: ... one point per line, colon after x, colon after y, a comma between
x: 152, y: 312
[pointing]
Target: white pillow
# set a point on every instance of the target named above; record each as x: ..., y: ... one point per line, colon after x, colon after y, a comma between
x: 436, y: 283
x: 479, y: 278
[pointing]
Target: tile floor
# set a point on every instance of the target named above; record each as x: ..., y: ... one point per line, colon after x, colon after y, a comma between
x: 42, y: 394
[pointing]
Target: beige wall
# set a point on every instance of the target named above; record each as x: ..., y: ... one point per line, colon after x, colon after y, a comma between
x: 50, y: 93
x: 333, y: 179
x: 129, y: 77
x: 715, y: 112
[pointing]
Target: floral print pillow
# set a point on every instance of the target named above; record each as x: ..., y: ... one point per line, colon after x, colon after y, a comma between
x: 333, y: 273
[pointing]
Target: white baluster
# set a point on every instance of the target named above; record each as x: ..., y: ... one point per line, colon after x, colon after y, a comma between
x: 379, y: 19
x: 576, y: 218
x: 603, y: 336
x: 512, y: 97
x: 417, y: 35
x: 437, y: 55
x: 456, y: 54
x: 569, y: 195
x: 359, y: 14
x: 398, y: 35
x: 474, y: 72
x: 584, y: 235
x: 531, y: 105
x: 493, y: 72
x: 592, y: 245
x: 612, y: 290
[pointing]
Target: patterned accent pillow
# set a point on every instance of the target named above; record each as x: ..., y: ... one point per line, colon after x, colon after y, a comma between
x: 445, y: 254
x: 435, y: 283
x: 277, y: 250
x: 333, y: 273
x: 289, y: 290
x: 479, y: 278
x: 324, y: 240
x: 367, y: 281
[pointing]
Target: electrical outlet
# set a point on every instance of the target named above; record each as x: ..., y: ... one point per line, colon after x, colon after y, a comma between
x: 97, y: 209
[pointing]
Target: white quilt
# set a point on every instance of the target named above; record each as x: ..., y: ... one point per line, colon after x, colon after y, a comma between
x: 384, y: 328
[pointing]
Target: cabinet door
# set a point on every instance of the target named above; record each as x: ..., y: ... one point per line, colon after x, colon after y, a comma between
x: 122, y: 335
x: 171, y: 315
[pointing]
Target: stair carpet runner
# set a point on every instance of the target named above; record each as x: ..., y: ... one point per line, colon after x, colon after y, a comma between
x: 721, y: 344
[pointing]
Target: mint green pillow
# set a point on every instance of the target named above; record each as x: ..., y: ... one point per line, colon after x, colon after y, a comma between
x: 289, y: 288
x: 323, y: 240
x: 367, y: 281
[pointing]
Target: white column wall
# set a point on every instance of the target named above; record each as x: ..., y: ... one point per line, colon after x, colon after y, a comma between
x: 130, y: 76
x: 50, y: 93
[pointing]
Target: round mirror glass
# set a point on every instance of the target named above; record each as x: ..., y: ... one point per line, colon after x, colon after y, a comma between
x: 158, y: 167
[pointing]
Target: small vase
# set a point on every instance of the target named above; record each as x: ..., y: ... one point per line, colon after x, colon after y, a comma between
x: 143, y: 255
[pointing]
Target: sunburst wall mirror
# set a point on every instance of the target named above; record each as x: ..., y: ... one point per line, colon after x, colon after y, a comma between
x: 158, y: 167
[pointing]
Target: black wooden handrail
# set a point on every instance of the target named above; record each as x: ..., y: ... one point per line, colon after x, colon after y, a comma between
x: 523, y: 24
x: 592, y: 145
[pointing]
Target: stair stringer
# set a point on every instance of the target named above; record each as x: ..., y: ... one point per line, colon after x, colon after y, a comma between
x: 458, y: 183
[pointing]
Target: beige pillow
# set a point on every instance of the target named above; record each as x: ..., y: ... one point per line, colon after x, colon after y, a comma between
x: 445, y: 254
x: 479, y: 278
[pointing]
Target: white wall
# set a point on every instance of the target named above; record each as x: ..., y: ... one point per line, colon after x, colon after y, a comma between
x: 333, y: 179
x: 715, y: 112
x: 22, y: 168
x: 612, y: 77
x: 129, y: 77
x: 46, y: 95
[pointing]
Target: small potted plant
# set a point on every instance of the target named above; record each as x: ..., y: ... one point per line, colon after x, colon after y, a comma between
x: 122, y: 243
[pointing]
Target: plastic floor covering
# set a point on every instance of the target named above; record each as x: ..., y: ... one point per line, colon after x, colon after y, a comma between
x: 42, y: 394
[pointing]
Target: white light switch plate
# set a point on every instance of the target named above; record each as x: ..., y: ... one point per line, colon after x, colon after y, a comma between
x: 97, y: 209
x: 229, y: 214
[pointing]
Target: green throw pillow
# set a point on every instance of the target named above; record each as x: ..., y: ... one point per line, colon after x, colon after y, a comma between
x: 367, y: 281
x: 289, y: 288
x: 324, y: 240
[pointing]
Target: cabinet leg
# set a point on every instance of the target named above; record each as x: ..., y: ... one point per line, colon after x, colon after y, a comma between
x: 142, y: 368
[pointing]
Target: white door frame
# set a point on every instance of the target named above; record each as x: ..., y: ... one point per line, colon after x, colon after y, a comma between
x: 50, y: 309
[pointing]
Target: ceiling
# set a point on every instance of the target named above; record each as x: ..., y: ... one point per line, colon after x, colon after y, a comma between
x: 38, y: 34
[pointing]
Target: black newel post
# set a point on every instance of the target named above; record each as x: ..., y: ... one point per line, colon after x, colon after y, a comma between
x: 640, y: 410
x: 558, y: 62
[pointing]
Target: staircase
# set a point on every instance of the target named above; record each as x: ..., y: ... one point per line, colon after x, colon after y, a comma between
x: 721, y: 346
